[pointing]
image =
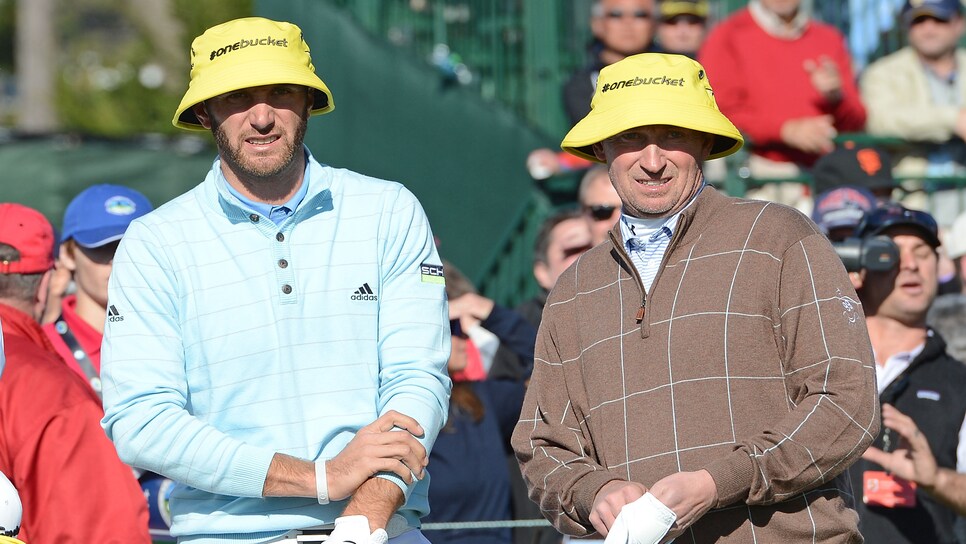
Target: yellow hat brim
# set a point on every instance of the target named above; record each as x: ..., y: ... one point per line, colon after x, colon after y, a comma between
x: 599, y: 125
x: 235, y: 76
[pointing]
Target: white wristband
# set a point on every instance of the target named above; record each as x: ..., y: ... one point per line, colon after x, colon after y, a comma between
x: 321, y: 483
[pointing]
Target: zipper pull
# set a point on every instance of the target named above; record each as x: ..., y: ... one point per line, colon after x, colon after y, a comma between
x: 640, y: 313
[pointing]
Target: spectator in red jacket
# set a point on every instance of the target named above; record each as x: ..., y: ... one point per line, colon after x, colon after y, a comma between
x: 72, y: 485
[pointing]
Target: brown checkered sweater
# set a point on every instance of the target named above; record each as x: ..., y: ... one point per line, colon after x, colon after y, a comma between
x: 751, y: 360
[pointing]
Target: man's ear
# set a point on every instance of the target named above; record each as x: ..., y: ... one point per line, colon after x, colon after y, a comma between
x: 542, y: 273
x: 202, y: 114
x: 310, y: 100
x: 597, y: 27
x: 66, y: 258
x: 599, y: 151
x: 858, y: 279
x: 708, y: 145
x: 42, y: 295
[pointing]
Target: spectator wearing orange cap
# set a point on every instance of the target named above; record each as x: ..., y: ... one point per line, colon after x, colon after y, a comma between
x: 864, y: 166
x: 71, y: 483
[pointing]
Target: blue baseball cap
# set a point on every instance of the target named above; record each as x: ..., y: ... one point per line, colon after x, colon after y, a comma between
x: 100, y: 214
x: 944, y: 10
x: 843, y: 206
x: 893, y: 214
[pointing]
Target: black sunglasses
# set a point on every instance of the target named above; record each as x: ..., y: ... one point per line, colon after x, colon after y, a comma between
x: 637, y: 14
x: 685, y: 18
x: 600, y: 212
x: 456, y: 329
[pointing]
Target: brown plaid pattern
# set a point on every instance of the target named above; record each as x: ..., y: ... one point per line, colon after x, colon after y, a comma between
x: 752, y: 361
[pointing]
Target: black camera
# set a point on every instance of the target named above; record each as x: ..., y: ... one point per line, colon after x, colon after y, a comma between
x: 875, y: 253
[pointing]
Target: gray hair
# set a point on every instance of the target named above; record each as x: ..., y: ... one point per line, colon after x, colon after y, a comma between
x: 589, y: 177
x: 17, y: 287
x: 948, y: 317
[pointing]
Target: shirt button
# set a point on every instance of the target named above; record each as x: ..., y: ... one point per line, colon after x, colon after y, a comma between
x: 287, y: 289
x: 282, y: 263
x: 254, y: 218
x: 280, y: 237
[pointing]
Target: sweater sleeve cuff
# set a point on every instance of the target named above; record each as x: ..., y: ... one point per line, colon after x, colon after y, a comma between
x: 586, y: 490
x: 733, y: 475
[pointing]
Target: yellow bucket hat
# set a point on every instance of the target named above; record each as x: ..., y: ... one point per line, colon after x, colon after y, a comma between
x: 652, y: 89
x: 245, y: 53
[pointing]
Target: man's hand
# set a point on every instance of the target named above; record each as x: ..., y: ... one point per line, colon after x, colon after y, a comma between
x: 826, y: 78
x: 689, y: 494
x: 912, y: 460
x: 609, y: 501
x: 543, y: 163
x: 377, y: 448
x: 810, y: 134
x: 470, y: 309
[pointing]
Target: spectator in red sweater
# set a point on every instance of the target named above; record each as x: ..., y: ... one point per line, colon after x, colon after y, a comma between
x: 786, y: 81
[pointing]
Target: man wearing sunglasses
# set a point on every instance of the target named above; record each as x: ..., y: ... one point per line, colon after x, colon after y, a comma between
x: 683, y: 26
x: 599, y: 201
x: 705, y: 374
x: 914, y: 374
x: 620, y: 28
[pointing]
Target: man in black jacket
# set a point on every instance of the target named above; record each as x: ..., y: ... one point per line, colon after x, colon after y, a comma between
x: 914, y: 374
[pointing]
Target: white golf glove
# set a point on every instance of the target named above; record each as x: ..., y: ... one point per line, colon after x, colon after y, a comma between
x: 644, y: 521
x: 355, y: 530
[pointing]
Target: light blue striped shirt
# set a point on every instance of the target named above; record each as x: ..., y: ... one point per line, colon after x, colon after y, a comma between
x: 235, y: 338
x: 646, y: 241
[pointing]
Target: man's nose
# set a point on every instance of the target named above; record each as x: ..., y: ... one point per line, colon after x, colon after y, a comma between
x: 261, y: 115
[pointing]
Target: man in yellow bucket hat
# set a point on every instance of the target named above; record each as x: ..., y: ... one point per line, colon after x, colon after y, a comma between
x: 276, y: 340
x: 706, y: 370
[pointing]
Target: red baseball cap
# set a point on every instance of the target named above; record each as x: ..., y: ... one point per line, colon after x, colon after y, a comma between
x: 29, y: 232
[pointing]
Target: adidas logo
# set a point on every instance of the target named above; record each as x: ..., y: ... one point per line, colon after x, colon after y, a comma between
x: 364, y: 293
x: 113, y: 315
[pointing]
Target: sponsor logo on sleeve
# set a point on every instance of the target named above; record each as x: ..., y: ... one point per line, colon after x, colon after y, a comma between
x: 431, y: 273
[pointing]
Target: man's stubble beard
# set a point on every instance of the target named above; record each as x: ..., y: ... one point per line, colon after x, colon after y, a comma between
x: 249, y: 172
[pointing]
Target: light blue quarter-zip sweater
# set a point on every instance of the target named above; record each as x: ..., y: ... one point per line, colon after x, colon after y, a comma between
x: 230, y: 338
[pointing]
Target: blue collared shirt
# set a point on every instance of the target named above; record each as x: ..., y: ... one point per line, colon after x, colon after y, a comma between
x: 275, y: 213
